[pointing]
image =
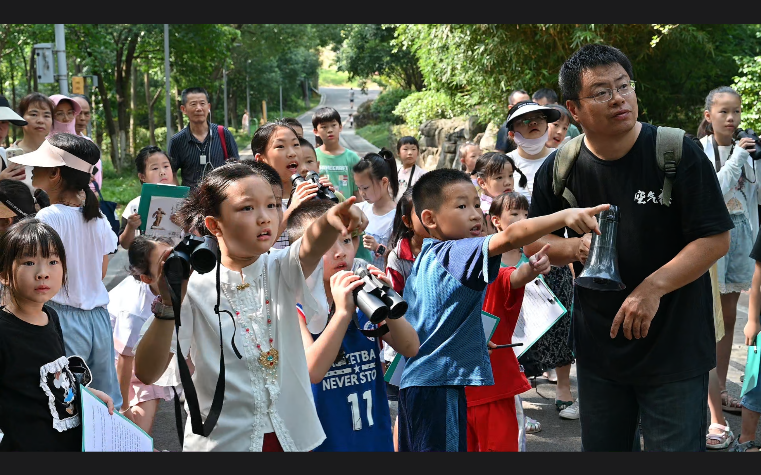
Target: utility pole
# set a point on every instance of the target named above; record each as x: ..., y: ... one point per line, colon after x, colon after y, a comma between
x: 168, y: 91
x: 60, y: 49
x: 248, y: 101
x: 224, y: 76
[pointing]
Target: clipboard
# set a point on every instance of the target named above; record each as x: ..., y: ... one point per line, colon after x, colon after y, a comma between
x: 751, y: 368
x: 543, y: 309
x: 158, y: 202
x: 490, y: 323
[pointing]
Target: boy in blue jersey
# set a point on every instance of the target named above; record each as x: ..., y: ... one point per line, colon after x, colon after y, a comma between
x: 343, y: 356
x: 445, y: 292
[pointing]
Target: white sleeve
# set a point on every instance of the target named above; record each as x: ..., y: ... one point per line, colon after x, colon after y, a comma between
x: 732, y: 169
x: 308, y: 291
x: 109, y: 240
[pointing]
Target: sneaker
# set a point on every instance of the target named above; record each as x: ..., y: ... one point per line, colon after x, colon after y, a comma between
x: 571, y: 412
x: 551, y: 375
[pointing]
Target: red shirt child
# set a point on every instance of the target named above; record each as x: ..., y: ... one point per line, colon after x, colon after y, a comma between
x: 492, y: 419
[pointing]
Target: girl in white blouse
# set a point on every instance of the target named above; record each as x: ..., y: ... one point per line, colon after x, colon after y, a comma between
x: 268, y: 403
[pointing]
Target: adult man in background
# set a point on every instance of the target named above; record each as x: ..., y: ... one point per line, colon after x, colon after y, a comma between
x: 202, y: 145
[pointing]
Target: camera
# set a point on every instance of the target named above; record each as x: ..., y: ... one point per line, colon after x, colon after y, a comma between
x: 200, y: 253
x: 749, y: 133
x: 377, y: 300
x: 323, y: 192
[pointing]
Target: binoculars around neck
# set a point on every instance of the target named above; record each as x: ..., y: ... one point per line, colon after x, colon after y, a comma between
x: 377, y: 300
x: 200, y: 253
x: 323, y: 192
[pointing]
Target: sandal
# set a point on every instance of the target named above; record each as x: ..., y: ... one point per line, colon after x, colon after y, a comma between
x: 743, y: 447
x: 560, y: 405
x: 532, y: 426
x: 724, y: 439
x: 730, y: 403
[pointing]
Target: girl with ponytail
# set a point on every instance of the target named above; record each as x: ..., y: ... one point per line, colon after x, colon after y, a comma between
x: 63, y: 166
x: 378, y: 183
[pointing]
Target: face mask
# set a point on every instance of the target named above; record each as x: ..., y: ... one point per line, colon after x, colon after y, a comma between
x: 63, y: 127
x: 532, y: 146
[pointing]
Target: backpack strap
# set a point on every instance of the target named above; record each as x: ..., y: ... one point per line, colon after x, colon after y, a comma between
x: 668, y: 152
x: 565, y: 158
x: 222, y: 139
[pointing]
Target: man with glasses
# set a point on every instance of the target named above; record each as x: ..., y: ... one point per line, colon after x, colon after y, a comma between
x: 201, y: 145
x: 645, y: 351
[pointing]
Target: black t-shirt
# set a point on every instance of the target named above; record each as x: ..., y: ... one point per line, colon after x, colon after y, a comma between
x: 680, y: 343
x: 39, y: 407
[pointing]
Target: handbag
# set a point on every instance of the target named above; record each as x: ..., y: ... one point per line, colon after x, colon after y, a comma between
x: 108, y: 208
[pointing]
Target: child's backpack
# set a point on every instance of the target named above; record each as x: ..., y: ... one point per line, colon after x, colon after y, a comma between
x: 668, y: 152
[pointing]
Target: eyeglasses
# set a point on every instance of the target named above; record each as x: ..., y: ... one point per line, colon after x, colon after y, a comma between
x: 604, y: 95
x: 63, y: 115
x: 538, y: 119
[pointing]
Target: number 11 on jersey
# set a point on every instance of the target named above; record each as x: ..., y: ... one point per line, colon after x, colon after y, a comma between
x: 355, y: 414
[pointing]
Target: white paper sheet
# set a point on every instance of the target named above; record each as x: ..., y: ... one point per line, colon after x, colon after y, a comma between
x: 540, y: 310
x: 102, y: 432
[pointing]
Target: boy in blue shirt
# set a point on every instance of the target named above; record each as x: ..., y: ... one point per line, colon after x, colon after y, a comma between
x: 343, y: 356
x: 445, y: 293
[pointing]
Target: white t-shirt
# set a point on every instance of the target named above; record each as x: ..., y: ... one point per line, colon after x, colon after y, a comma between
x: 86, y: 243
x: 379, y: 227
x: 529, y: 168
x: 130, y: 309
x: 404, y: 178
x: 244, y: 419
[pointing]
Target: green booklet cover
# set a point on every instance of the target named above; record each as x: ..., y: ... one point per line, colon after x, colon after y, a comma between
x: 158, y: 203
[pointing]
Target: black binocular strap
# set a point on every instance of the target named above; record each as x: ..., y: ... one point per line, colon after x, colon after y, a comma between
x: 191, y: 396
x: 378, y: 332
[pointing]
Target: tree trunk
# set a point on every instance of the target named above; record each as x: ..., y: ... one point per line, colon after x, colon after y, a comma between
x: 133, y: 111
x: 111, y: 129
x: 32, y: 73
x: 180, y: 121
x: 151, y: 125
x: 13, y: 94
x: 122, y: 86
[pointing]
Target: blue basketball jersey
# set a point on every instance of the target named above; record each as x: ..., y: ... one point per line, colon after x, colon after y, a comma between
x: 351, y: 399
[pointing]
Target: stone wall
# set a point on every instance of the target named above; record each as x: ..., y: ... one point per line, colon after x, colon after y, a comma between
x: 441, y: 139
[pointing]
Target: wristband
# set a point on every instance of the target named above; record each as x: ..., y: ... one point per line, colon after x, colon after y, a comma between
x: 160, y: 310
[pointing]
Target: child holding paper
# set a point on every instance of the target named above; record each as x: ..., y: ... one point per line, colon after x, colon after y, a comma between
x: 153, y: 166
x: 39, y: 393
x: 492, y: 419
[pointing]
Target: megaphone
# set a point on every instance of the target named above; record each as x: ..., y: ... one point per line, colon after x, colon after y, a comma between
x: 601, y: 269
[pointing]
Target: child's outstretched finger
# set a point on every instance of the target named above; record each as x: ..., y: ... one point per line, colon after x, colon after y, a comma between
x: 543, y: 250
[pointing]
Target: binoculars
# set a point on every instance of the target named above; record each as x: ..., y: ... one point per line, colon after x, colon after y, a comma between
x: 323, y: 192
x: 376, y: 299
x: 200, y: 253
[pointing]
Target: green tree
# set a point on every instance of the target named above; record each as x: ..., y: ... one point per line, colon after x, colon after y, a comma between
x: 481, y: 64
x: 368, y: 50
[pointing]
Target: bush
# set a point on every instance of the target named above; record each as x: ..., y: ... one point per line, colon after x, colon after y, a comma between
x: 748, y: 85
x: 364, y: 115
x: 426, y: 105
x: 385, y: 104
x: 378, y: 135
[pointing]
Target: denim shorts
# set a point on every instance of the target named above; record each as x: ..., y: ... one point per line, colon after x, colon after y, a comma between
x: 735, y: 269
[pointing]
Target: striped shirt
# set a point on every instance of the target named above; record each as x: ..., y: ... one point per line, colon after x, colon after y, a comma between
x: 185, y: 152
